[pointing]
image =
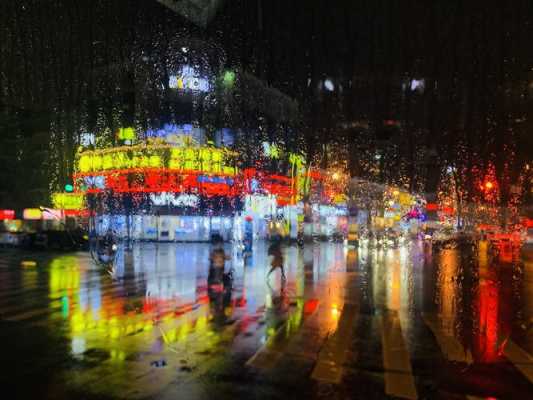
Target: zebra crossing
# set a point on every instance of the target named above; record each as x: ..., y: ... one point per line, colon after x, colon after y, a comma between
x: 335, y: 359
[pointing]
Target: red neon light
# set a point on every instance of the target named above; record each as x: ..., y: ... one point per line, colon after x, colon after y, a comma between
x: 432, y: 207
x: 316, y: 175
x: 7, y: 214
x: 280, y: 186
x: 156, y: 182
x: 249, y: 173
x: 76, y: 213
x: 279, y: 178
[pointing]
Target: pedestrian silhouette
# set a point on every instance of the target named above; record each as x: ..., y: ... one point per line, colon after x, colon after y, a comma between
x: 277, y: 259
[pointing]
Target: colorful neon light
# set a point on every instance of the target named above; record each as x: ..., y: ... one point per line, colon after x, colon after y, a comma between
x: 271, y: 150
x: 188, y: 79
x: 126, y: 133
x: 32, y: 214
x: 7, y: 214
x: 68, y: 201
x: 182, y: 200
x: 206, y: 159
x: 51, y: 214
x: 228, y: 80
x: 156, y: 181
x: 432, y: 207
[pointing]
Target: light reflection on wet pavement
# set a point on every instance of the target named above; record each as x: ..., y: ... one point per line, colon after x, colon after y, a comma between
x: 407, y: 323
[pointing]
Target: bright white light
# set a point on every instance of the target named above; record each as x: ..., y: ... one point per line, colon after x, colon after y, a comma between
x: 87, y: 139
x: 418, y: 84
x: 188, y: 79
x: 184, y: 49
x: 78, y: 345
x: 328, y: 84
x: 182, y: 200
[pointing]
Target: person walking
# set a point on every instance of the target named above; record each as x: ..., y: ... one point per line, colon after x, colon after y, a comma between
x: 277, y: 259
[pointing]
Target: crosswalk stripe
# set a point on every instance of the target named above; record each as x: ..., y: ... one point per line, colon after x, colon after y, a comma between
x: 399, y: 379
x: 520, y: 358
x: 329, y: 366
x: 450, y: 346
x: 269, y: 354
x: 266, y: 357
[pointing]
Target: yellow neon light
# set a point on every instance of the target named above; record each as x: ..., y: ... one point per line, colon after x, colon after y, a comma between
x: 68, y: 201
x: 206, y: 159
x: 32, y: 213
x: 126, y: 133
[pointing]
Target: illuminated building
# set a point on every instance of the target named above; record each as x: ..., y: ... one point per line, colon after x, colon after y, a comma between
x: 170, y: 184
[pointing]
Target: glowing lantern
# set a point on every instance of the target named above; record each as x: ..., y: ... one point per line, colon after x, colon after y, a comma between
x: 32, y: 214
x: 489, y: 185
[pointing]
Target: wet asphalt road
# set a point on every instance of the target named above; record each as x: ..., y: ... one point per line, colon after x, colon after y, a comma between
x: 347, y: 324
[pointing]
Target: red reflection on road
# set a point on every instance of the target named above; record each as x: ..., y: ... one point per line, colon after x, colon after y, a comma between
x: 486, y: 343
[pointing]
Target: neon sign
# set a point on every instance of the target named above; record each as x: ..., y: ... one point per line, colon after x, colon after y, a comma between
x: 188, y: 79
x: 182, y: 200
x: 203, y: 158
x: 271, y: 150
x: 119, y: 159
x: 181, y: 135
x: 32, y: 214
x: 126, y: 133
x: 215, y: 179
x: 157, y: 181
x: 51, y: 214
x: 94, y: 182
x: 7, y: 214
x: 68, y: 201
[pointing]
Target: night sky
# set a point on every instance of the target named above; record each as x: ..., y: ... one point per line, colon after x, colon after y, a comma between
x: 423, y: 87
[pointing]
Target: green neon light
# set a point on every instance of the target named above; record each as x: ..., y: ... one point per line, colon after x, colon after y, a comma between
x: 228, y: 79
